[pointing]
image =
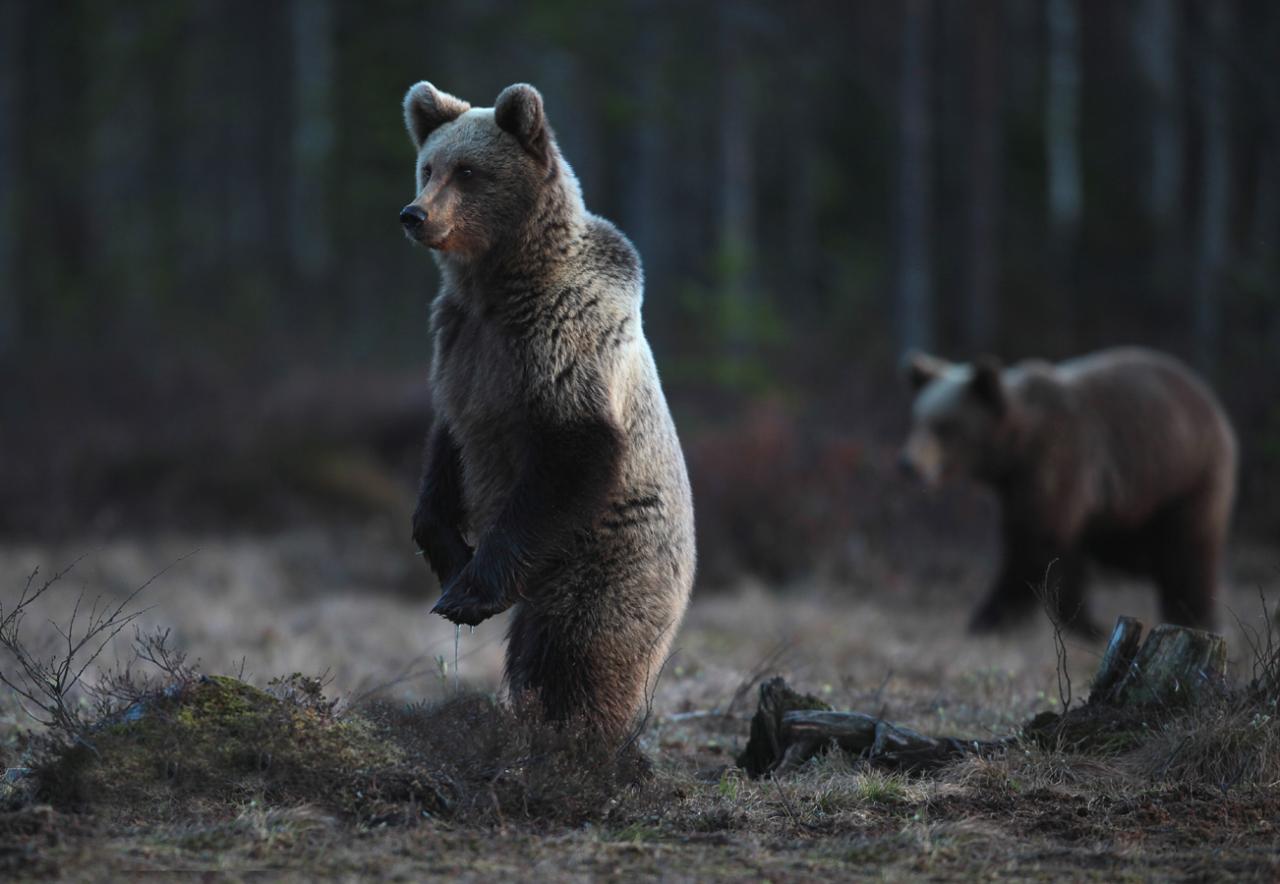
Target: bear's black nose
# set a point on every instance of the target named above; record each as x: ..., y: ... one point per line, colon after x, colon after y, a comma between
x: 412, y: 217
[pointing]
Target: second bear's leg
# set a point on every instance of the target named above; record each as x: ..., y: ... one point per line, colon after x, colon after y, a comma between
x: 1187, y: 570
x: 1064, y: 595
x: 1013, y: 595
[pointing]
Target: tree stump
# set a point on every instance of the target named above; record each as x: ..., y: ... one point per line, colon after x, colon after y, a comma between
x: 1172, y: 666
x: 1117, y: 658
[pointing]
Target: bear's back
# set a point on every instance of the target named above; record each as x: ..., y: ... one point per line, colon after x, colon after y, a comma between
x: 1160, y: 431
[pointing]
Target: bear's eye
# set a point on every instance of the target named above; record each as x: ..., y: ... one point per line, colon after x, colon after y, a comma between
x: 465, y: 172
x: 426, y: 174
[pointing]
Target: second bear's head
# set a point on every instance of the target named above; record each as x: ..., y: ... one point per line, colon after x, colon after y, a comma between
x: 485, y: 175
x: 959, y: 419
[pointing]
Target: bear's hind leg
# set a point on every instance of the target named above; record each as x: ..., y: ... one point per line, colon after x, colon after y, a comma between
x: 573, y: 675
x: 1187, y: 564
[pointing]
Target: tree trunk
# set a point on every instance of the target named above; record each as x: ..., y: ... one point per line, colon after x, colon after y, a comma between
x: 645, y: 205
x: 986, y: 195
x: 1215, y: 184
x: 737, y: 176
x: 10, y: 229
x: 1155, y: 38
x: 1062, y: 151
x: 118, y: 170
x: 310, y: 236
x: 800, y: 271
x: 913, y: 228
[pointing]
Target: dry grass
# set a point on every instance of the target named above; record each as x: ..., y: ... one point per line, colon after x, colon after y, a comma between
x: 1193, y: 800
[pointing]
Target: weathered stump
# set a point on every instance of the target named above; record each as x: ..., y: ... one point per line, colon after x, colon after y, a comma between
x: 1173, y: 665
x: 1117, y: 658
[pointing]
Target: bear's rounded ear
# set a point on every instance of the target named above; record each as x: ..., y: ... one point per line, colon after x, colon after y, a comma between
x: 921, y: 368
x: 987, y: 383
x: 518, y: 110
x: 426, y: 108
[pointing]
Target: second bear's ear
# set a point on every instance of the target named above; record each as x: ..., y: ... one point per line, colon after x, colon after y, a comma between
x: 518, y: 110
x: 921, y: 368
x: 987, y: 383
x: 426, y: 109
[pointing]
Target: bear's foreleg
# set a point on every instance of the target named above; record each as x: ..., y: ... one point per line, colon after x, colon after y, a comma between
x: 569, y: 471
x: 438, y: 517
x: 1028, y: 561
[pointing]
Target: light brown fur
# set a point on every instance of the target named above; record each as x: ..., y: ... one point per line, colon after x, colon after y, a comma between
x: 572, y: 485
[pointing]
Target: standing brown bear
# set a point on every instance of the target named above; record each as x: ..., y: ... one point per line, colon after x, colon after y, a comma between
x: 1123, y: 457
x: 554, y: 480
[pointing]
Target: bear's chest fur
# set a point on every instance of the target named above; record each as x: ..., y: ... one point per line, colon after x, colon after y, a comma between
x: 478, y: 384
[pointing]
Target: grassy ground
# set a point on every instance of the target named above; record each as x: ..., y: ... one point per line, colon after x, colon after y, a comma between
x: 312, y: 602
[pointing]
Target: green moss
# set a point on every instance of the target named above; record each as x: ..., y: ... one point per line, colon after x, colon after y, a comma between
x: 216, y: 742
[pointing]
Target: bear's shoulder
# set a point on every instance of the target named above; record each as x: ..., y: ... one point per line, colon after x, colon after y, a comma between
x: 608, y: 253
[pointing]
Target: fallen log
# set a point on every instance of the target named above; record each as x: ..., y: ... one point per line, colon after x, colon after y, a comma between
x: 789, y: 728
x: 1170, y: 668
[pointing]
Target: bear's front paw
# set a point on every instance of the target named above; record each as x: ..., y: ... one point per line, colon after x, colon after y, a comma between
x: 468, y: 599
x: 443, y: 548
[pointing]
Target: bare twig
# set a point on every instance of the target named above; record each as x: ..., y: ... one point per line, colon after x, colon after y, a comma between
x: 1049, y: 596
x: 46, y: 687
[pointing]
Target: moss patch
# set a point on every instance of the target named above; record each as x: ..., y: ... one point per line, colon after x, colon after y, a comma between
x: 211, y: 745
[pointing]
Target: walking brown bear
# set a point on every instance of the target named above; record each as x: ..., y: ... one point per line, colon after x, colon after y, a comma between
x: 554, y: 480
x: 1123, y: 457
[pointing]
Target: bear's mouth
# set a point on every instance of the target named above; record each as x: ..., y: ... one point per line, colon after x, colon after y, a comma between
x: 437, y: 241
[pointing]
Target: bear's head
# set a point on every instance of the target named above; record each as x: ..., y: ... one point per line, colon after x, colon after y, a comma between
x: 957, y: 419
x: 481, y: 172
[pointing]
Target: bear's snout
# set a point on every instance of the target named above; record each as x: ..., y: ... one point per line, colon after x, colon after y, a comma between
x: 412, y: 218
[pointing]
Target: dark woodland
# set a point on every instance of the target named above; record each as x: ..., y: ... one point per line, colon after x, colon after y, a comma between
x: 214, y: 352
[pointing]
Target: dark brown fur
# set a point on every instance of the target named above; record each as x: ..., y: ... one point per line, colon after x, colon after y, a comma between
x: 1122, y: 457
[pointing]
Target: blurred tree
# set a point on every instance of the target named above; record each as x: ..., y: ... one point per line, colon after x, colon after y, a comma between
x: 646, y: 206
x: 1156, y: 46
x: 1062, y: 150
x: 217, y: 181
x: 1215, y: 180
x: 736, y: 221
x: 801, y: 117
x: 119, y: 156
x: 986, y: 157
x: 912, y: 227
x: 310, y: 233
x: 11, y: 61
